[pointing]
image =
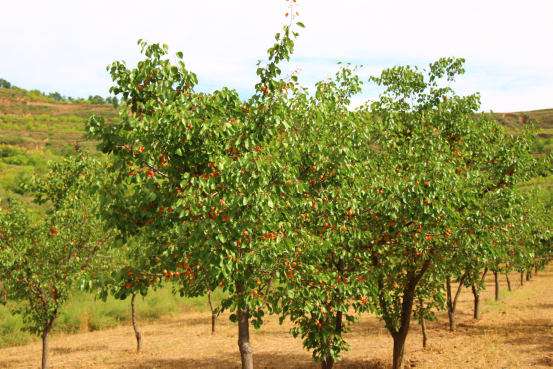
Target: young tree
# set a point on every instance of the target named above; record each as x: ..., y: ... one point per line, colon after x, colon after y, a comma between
x: 130, y: 274
x: 44, y: 259
x: 325, y: 279
x: 428, y: 192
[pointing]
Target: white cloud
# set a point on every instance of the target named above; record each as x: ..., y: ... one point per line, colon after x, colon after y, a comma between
x: 64, y: 46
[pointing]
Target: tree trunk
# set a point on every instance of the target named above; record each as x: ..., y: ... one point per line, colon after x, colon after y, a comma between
x: 45, y: 333
x: 528, y: 274
x: 496, y: 286
x: 450, y: 308
x: 521, y: 279
x: 400, y: 336
x: 213, y: 316
x: 423, y: 327
x: 328, y: 362
x: 476, y: 294
x: 244, y: 345
x: 399, y: 350
x: 536, y: 270
x: 135, y: 326
x: 452, y: 303
x: 508, y: 281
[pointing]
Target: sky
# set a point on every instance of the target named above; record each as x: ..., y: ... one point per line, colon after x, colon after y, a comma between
x: 65, y: 46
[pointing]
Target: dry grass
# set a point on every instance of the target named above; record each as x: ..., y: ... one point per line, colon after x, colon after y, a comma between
x: 516, y: 332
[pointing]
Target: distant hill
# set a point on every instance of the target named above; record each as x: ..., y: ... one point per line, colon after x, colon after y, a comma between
x: 516, y: 120
x: 541, y: 119
x: 36, y: 129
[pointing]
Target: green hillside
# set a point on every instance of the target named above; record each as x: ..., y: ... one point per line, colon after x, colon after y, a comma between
x: 35, y: 128
x: 542, y: 119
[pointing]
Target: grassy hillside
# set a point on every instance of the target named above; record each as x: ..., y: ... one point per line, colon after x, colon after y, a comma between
x: 543, y: 144
x: 542, y: 119
x: 38, y: 129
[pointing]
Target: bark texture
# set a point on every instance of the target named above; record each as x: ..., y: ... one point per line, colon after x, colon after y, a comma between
x: 244, y: 345
x: 522, y: 278
x: 496, y: 286
x: 423, y: 327
x: 400, y: 335
x: 452, y: 303
x: 476, y: 293
x: 213, y: 316
x: 328, y: 362
x: 508, y: 281
x: 45, y: 333
x: 399, y: 351
x: 137, y: 333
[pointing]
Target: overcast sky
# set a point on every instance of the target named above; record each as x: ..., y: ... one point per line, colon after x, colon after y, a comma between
x: 65, y: 46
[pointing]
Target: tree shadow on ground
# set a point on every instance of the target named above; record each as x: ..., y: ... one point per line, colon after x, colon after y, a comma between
x: 12, y: 363
x: 67, y: 350
x: 261, y: 361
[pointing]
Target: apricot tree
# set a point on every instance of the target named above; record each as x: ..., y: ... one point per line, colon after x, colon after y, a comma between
x: 44, y: 259
x: 435, y: 172
x: 207, y: 172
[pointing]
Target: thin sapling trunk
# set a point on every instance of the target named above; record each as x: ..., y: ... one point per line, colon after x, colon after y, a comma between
x: 496, y: 286
x: 213, y: 316
x: 137, y: 333
x: 452, y: 303
x: 45, y: 333
x: 244, y: 345
x: 508, y: 281
x: 423, y: 326
x: 476, y: 293
x: 328, y: 362
x: 399, y: 335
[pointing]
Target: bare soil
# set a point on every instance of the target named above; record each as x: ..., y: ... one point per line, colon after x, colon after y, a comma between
x: 516, y: 332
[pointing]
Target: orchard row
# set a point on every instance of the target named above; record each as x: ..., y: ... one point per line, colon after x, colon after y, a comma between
x: 292, y: 203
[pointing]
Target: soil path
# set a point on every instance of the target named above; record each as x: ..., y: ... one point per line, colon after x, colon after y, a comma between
x: 516, y: 332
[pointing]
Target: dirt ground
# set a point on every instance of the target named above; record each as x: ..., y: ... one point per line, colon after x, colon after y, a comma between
x: 516, y: 332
